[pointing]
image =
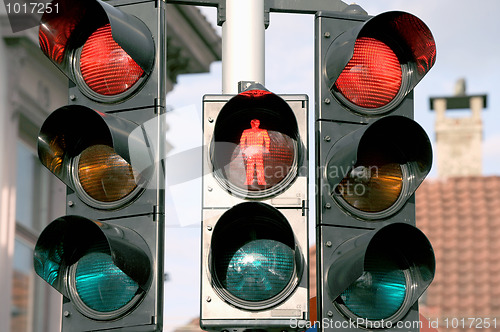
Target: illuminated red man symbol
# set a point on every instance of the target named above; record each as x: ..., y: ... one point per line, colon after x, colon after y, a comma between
x: 254, y: 143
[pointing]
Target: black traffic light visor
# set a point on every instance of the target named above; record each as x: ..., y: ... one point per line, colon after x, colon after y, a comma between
x: 67, y: 239
x: 66, y: 29
x: 240, y: 110
x: 71, y: 129
x: 411, y: 245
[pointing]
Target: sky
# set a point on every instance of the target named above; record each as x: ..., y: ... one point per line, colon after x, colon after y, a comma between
x: 467, y: 42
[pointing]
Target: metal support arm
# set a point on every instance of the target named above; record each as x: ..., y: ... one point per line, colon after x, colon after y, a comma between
x: 279, y: 6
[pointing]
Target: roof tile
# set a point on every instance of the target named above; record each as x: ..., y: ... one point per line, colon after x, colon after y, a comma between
x: 461, y: 217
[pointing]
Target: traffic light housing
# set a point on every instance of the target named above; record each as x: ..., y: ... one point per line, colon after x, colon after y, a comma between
x: 106, y: 255
x: 373, y: 263
x: 254, y: 268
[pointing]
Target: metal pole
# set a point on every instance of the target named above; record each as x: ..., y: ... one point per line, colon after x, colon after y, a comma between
x: 242, y: 44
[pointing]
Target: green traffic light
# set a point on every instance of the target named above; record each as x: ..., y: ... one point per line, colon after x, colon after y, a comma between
x: 381, y: 290
x: 259, y: 270
x: 101, y: 285
x: 88, y: 263
x: 254, y: 258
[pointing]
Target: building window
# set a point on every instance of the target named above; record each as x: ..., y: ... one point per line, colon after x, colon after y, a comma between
x: 30, y: 295
x: 21, y: 287
x: 32, y: 190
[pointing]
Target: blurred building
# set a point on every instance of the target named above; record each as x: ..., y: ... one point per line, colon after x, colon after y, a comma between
x: 459, y: 138
x: 30, y: 197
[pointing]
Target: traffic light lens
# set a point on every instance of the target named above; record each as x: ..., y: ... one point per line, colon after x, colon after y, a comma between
x: 372, y: 78
x: 378, y: 294
x: 104, y: 175
x: 101, y: 285
x: 372, y: 188
x: 105, y: 67
x: 267, y: 157
x: 259, y: 270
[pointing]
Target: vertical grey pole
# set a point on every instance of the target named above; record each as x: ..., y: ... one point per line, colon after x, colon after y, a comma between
x: 242, y: 44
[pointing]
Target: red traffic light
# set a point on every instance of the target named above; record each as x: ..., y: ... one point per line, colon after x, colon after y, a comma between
x: 107, y: 53
x: 256, y: 149
x: 371, y: 68
x: 105, y: 67
x: 372, y: 78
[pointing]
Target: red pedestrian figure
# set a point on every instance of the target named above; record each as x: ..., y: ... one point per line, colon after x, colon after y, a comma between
x: 254, y: 143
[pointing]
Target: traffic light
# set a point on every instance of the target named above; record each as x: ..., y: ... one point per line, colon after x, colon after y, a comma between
x: 106, y: 255
x: 254, y: 269
x: 373, y: 263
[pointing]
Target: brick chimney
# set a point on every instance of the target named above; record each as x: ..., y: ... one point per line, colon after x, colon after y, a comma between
x: 459, y: 139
